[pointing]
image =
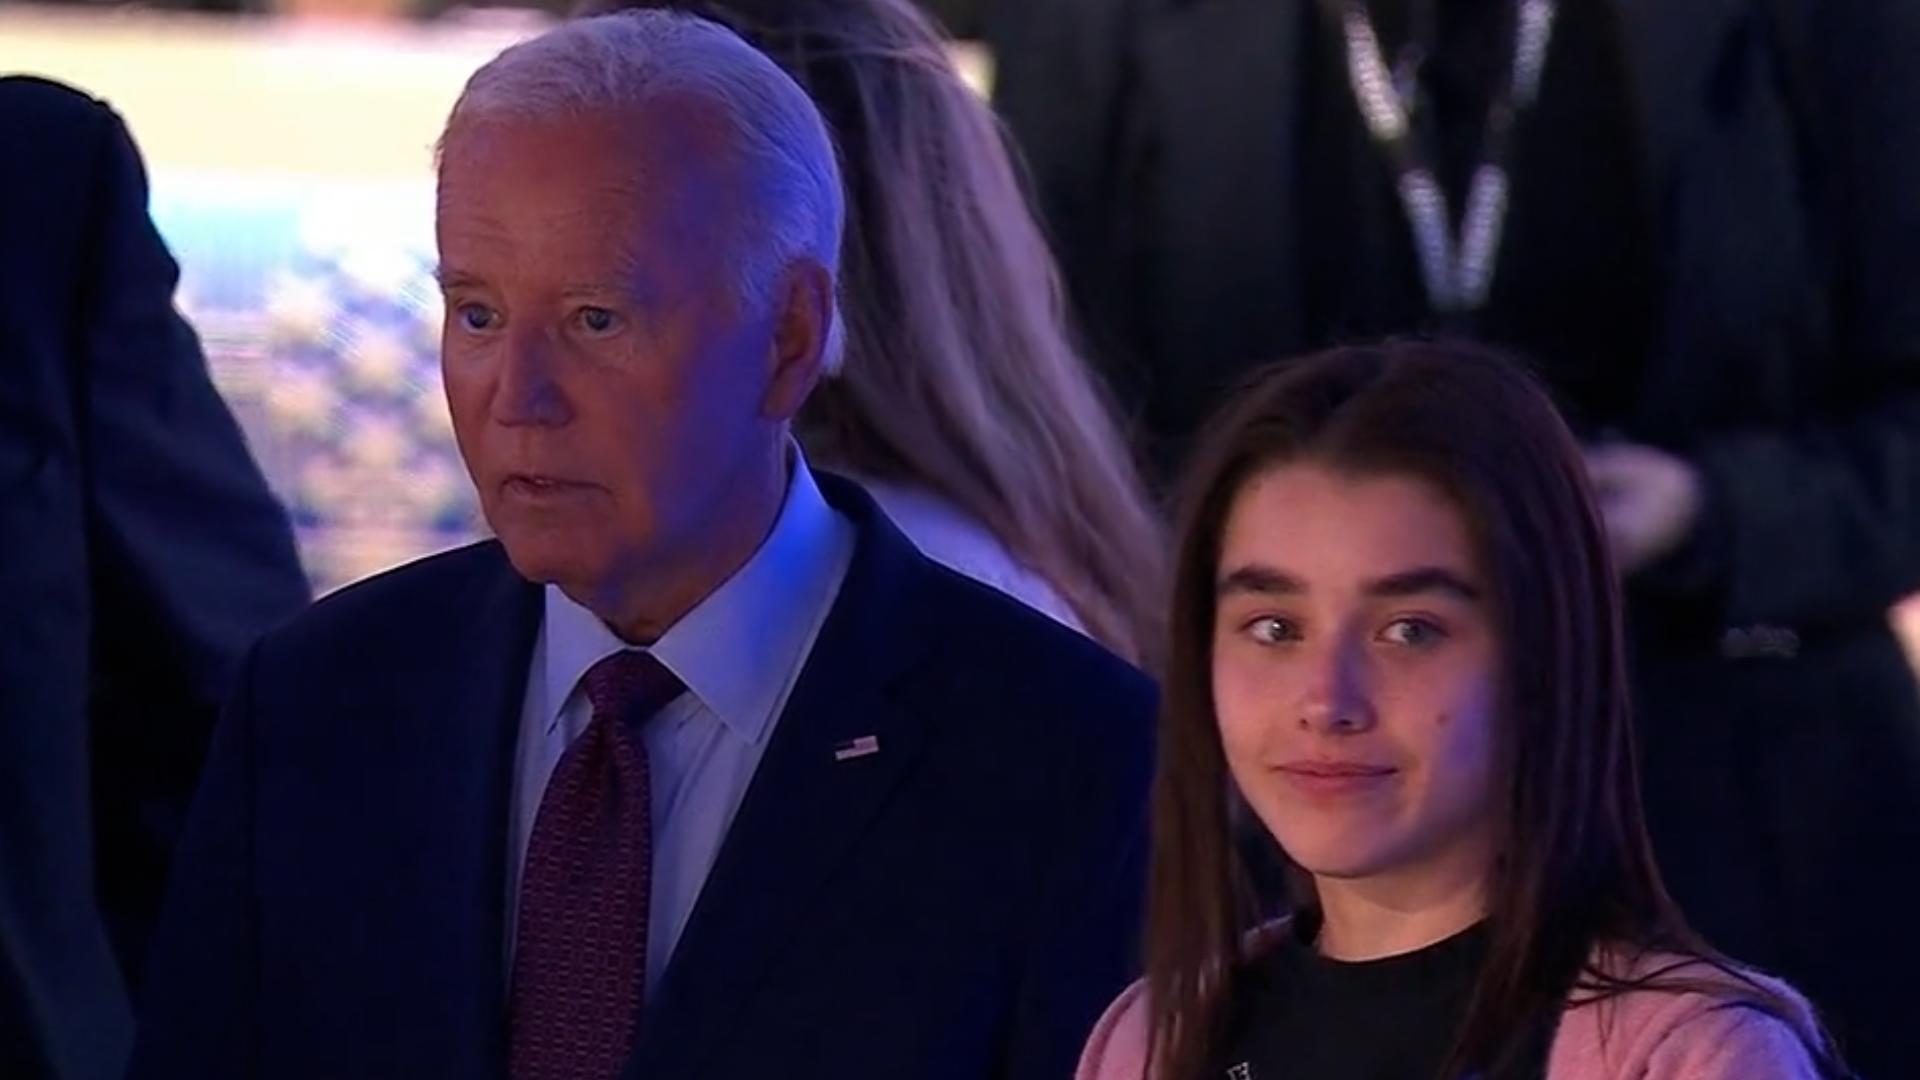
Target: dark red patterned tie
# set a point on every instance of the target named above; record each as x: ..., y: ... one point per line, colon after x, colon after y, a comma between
x: 580, y: 960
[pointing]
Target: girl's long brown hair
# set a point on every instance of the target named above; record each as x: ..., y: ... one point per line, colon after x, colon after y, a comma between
x: 1577, y: 871
x: 961, y: 373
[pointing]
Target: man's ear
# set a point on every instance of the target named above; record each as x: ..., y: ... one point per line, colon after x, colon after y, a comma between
x: 804, y: 311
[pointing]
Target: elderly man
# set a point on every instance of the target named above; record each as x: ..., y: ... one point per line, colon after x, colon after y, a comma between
x: 700, y: 770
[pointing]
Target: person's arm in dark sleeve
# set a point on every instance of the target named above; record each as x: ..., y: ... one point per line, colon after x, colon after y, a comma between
x: 192, y: 557
x: 198, y: 1015
x: 1821, y: 524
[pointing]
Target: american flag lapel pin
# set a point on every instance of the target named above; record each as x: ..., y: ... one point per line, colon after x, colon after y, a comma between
x: 864, y: 746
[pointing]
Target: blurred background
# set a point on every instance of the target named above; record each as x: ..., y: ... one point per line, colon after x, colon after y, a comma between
x: 290, y: 152
x: 306, y: 248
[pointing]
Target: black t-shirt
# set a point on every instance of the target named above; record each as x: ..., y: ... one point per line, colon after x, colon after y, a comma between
x: 1297, y: 1015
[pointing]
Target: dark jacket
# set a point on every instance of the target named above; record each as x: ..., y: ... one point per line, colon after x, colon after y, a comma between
x: 140, y: 553
x: 959, y: 906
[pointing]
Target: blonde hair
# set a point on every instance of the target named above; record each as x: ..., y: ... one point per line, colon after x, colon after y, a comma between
x: 627, y: 58
x: 962, y: 375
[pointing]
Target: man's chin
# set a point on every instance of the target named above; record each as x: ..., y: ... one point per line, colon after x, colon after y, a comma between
x: 545, y: 556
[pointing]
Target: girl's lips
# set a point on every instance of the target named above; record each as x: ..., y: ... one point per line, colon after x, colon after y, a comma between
x: 1336, y: 778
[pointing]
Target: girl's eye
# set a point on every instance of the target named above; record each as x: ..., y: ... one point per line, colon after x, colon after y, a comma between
x: 1272, y: 630
x: 1412, y: 633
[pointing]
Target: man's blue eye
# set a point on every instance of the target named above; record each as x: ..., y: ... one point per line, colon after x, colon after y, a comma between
x: 476, y: 316
x: 597, y: 320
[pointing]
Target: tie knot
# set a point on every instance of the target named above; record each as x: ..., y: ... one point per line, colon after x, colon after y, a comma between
x: 630, y: 686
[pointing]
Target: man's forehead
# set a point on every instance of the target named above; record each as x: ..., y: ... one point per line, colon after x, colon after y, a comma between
x: 666, y: 170
x: 667, y: 132
x: 637, y: 192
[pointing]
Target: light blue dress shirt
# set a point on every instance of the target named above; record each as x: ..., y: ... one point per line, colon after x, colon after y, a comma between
x: 739, y: 652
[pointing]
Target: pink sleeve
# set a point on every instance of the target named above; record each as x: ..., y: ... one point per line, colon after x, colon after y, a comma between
x: 1117, y: 1049
x: 1731, y: 1043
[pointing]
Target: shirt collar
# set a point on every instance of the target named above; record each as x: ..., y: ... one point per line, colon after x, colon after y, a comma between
x: 738, y: 649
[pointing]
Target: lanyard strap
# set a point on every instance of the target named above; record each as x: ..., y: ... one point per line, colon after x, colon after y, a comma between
x: 1457, y: 271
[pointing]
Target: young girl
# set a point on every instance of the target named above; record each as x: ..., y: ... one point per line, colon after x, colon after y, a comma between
x: 1396, y: 639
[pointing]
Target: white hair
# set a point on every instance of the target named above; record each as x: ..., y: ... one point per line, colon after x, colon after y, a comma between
x: 625, y: 59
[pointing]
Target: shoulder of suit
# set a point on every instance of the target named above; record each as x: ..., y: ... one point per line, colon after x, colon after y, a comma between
x: 426, y: 594
x: 948, y: 534
x: 24, y: 94
x: 1024, y: 680
x: 54, y: 115
x: 55, y: 144
x: 995, y: 630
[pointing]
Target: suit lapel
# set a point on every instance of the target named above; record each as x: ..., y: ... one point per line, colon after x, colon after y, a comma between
x: 469, y: 719
x: 805, y: 809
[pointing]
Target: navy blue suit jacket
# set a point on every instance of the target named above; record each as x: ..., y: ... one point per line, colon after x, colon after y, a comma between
x: 140, y: 554
x: 960, y: 905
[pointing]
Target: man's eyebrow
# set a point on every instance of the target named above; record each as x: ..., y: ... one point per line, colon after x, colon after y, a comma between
x: 451, y: 278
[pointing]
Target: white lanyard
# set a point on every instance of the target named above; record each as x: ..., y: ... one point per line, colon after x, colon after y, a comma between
x: 1458, y: 272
